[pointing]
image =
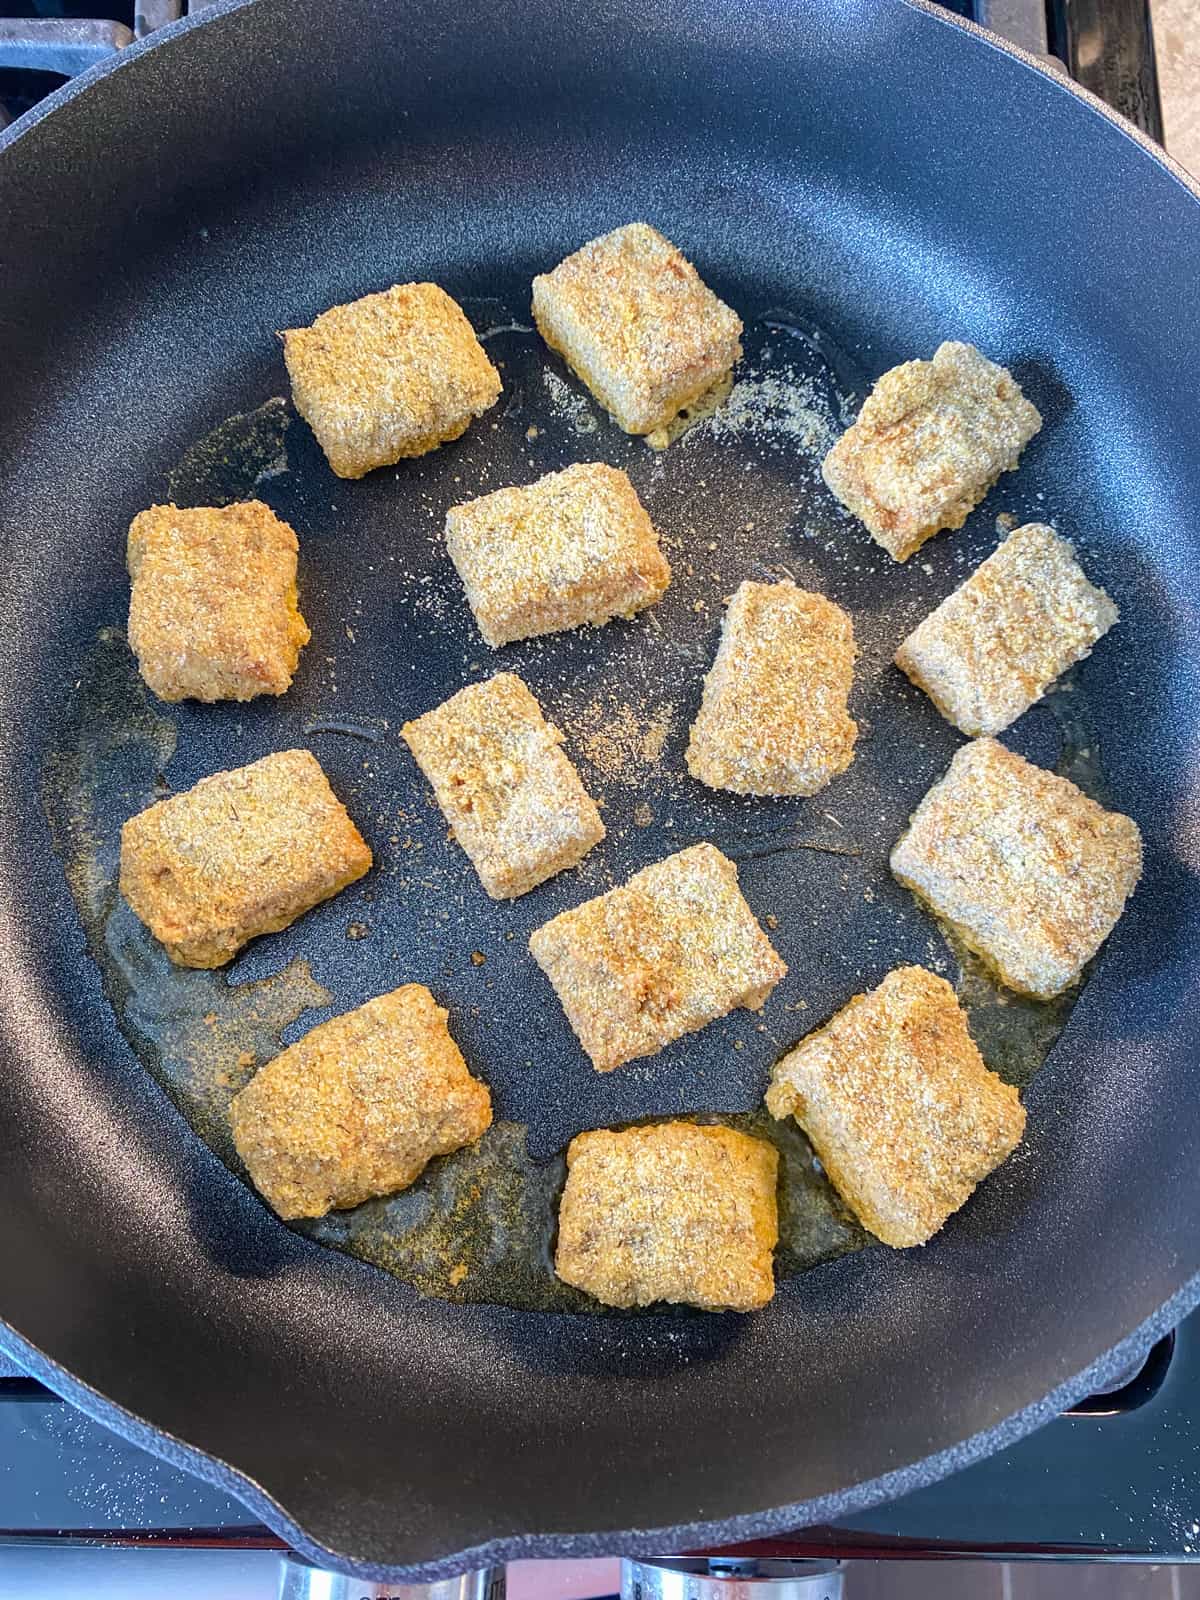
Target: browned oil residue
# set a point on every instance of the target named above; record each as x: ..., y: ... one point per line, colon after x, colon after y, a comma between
x: 478, y: 1225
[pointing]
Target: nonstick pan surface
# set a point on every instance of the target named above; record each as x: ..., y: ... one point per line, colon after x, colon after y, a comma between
x: 860, y: 182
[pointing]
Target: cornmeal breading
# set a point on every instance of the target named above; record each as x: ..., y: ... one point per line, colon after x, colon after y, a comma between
x: 931, y: 439
x: 1028, y: 871
x: 506, y: 788
x: 666, y: 953
x: 899, y: 1105
x: 575, y: 547
x: 673, y: 1212
x: 388, y: 376
x: 998, y: 642
x: 242, y: 853
x: 212, y: 610
x: 632, y: 317
x: 358, y: 1107
x: 773, y: 718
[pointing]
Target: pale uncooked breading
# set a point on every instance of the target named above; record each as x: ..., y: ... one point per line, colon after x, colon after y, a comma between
x: 634, y: 320
x: 242, y: 853
x: 388, y: 376
x: 213, y: 611
x: 773, y: 717
x: 663, y: 955
x: 505, y: 785
x: 899, y: 1105
x: 931, y: 439
x: 1000, y: 640
x: 674, y: 1212
x: 575, y: 547
x: 358, y: 1107
x: 1029, y: 871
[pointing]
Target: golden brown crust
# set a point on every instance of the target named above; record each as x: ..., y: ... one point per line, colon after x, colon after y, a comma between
x: 389, y: 376
x: 1029, y: 872
x: 674, y: 1212
x: 931, y: 439
x: 358, y: 1107
x: 899, y: 1105
x: 663, y: 955
x: 994, y: 646
x: 212, y: 610
x: 576, y: 547
x: 633, y: 319
x: 773, y: 718
x: 242, y: 853
x: 505, y: 785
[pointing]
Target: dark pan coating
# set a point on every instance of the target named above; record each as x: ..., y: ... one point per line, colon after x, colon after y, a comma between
x: 478, y: 151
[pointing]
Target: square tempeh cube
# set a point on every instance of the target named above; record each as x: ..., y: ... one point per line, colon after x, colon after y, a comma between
x: 575, y: 547
x: 677, y: 1212
x: 899, y: 1105
x: 358, y: 1107
x: 504, y: 784
x: 389, y: 376
x: 931, y: 439
x: 663, y: 955
x: 242, y: 853
x: 632, y: 317
x: 999, y: 641
x: 213, y: 612
x: 773, y: 718
x: 1028, y: 871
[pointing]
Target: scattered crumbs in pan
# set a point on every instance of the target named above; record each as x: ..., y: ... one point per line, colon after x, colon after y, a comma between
x: 230, y: 463
x: 568, y: 404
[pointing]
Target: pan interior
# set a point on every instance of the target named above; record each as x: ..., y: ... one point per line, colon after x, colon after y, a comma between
x: 737, y: 496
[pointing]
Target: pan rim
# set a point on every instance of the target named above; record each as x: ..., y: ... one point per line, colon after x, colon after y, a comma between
x: 748, y: 1525
x: 671, y: 1540
x: 24, y: 124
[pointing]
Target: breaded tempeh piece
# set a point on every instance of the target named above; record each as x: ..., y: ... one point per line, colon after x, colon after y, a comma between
x: 930, y: 441
x: 1026, y: 869
x: 675, y: 1212
x: 358, y: 1107
x: 388, y: 376
x: 998, y: 642
x: 575, y: 547
x: 212, y: 611
x: 773, y: 718
x: 242, y: 853
x: 899, y: 1105
x: 632, y: 317
x: 505, y: 785
x: 663, y: 955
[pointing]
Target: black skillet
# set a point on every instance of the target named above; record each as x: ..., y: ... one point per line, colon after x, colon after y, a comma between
x: 860, y: 180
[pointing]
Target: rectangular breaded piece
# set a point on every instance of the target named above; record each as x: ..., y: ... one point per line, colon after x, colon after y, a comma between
x: 388, y: 376
x: 996, y: 644
x: 575, y: 547
x: 358, y: 1107
x: 213, y: 611
x: 1028, y: 871
x: 931, y: 439
x: 242, y: 853
x: 773, y: 717
x: 505, y: 785
x: 632, y: 318
x: 674, y: 1212
x: 899, y: 1105
x: 663, y: 955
